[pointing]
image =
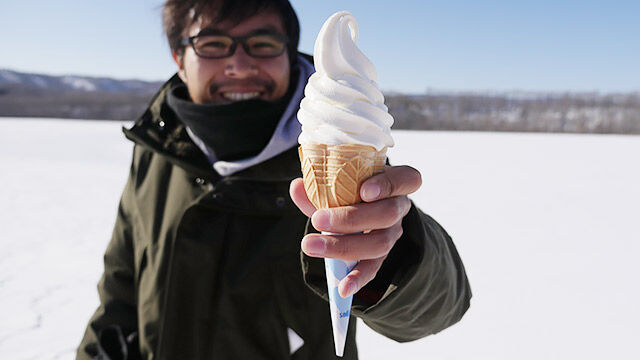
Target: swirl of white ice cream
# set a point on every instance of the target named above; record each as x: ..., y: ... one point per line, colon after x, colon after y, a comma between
x: 342, y: 103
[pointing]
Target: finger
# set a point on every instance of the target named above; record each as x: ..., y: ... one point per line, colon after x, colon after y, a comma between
x: 373, y: 245
x: 360, y: 276
x: 361, y: 217
x: 393, y: 181
x: 299, y: 197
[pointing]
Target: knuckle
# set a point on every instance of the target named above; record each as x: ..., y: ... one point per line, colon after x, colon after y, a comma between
x: 387, y: 213
x: 337, y: 246
x: 395, y: 233
x: 391, y: 187
x: 385, y: 184
x: 403, y: 206
x: 399, y: 230
x: 400, y: 205
x: 389, y: 245
x: 386, y: 242
x: 392, y: 240
x: 407, y: 206
x: 375, y: 267
x: 348, y: 216
x: 346, y: 248
x: 349, y: 248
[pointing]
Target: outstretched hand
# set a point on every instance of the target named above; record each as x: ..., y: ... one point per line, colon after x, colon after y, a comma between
x: 378, y: 218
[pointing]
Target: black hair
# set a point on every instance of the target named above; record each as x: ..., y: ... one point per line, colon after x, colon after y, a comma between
x: 179, y: 15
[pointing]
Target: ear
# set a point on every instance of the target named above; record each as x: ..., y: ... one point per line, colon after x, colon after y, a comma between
x: 179, y: 61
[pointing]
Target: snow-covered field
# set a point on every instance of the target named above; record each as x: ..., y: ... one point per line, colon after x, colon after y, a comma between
x: 547, y: 226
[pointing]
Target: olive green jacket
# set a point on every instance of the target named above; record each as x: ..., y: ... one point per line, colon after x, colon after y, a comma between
x: 204, y: 267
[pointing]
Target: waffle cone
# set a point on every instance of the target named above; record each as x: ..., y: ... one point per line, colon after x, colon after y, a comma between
x: 333, y: 173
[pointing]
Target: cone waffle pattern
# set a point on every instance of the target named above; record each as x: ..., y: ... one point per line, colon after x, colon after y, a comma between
x: 332, y: 177
x: 333, y: 173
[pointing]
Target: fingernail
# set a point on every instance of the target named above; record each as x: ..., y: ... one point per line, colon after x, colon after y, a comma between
x: 370, y: 191
x: 314, y: 245
x: 321, y: 219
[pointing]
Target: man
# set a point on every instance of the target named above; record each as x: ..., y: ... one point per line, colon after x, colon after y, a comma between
x: 205, y: 259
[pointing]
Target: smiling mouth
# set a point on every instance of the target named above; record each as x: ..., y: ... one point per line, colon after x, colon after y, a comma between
x: 231, y: 91
x: 239, y: 96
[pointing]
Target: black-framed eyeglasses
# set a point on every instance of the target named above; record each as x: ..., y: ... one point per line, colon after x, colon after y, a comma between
x: 216, y: 46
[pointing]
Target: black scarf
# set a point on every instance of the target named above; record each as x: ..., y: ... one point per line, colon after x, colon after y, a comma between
x: 234, y: 131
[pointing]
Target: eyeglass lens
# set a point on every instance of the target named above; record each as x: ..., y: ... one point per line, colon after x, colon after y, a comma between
x: 263, y: 45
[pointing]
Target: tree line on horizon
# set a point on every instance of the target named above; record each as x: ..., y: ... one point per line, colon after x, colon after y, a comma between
x: 568, y: 112
x: 552, y: 112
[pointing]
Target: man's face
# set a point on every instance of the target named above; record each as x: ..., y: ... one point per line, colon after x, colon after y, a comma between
x: 239, y: 76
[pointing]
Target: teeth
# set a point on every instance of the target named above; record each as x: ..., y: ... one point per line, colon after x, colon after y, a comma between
x: 240, y: 96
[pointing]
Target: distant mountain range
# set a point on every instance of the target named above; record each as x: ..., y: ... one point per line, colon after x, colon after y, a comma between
x: 70, y: 96
x: 84, y: 97
x: 13, y: 81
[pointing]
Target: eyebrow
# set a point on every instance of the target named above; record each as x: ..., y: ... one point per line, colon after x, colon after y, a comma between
x: 210, y: 30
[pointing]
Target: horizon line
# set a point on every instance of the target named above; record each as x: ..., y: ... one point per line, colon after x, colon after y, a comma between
x: 428, y: 89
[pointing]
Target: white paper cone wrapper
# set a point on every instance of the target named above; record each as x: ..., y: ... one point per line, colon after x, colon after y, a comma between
x: 340, y: 307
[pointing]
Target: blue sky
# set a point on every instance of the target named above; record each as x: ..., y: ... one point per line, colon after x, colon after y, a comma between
x: 416, y: 45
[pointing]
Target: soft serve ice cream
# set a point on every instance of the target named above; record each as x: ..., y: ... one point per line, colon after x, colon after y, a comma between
x: 342, y: 103
x: 346, y: 131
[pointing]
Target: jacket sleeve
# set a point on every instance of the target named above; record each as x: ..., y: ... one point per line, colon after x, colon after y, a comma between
x: 421, y: 288
x: 116, y: 288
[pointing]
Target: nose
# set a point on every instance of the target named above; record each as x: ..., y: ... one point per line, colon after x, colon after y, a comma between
x: 240, y: 65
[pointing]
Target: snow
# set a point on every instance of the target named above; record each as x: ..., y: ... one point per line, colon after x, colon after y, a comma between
x: 545, y: 225
x: 9, y: 76
x: 39, y: 81
x: 79, y: 83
